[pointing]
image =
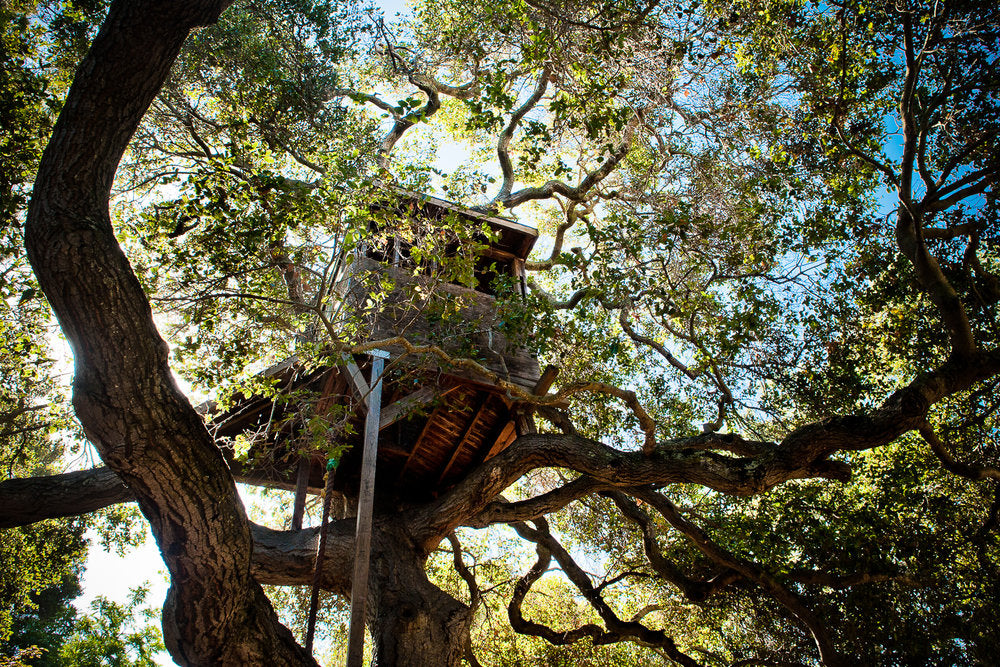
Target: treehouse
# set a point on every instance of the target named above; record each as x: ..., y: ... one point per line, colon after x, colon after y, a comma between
x: 427, y: 284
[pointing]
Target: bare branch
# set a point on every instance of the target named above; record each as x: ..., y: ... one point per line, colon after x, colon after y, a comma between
x: 617, y: 629
x: 693, y: 589
x: 475, y: 596
x: 964, y: 229
x: 880, y: 166
x: 645, y: 340
x: 503, y: 143
x: 579, y: 192
x: 827, y: 580
x: 572, y: 215
x: 501, y: 511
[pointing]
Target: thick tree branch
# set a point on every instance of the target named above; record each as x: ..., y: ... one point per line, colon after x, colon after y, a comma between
x: 827, y: 580
x: 964, y: 229
x: 25, y: 501
x: 802, y: 454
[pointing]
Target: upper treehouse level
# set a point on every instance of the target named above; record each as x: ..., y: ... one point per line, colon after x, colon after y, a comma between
x: 431, y: 274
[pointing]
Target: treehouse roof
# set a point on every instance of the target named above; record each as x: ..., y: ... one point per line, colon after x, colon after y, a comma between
x: 514, y: 238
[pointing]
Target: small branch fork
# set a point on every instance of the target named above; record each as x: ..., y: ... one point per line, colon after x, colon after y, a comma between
x: 731, y: 569
x: 713, y: 374
x: 547, y: 547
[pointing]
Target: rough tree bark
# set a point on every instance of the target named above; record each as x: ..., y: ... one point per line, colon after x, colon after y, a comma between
x: 412, y: 621
x: 144, y: 428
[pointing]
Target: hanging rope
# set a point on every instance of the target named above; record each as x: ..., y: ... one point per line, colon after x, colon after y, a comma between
x: 331, y: 470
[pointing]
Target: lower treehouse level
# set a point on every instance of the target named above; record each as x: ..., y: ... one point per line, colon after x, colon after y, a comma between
x: 434, y: 428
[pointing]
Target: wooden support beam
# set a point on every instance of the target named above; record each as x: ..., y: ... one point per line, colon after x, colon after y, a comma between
x: 366, y: 504
x: 280, y: 367
x: 397, y: 410
x: 301, y: 489
x: 523, y: 413
x: 332, y: 386
x: 497, y: 253
x: 507, y: 435
x: 355, y: 379
x: 465, y: 436
x: 521, y: 275
x: 524, y: 423
x: 546, y: 380
x: 419, y: 443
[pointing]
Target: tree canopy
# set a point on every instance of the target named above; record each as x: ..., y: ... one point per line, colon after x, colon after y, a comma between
x: 768, y: 277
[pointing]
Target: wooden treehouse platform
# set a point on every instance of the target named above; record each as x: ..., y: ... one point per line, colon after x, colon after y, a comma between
x: 432, y: 431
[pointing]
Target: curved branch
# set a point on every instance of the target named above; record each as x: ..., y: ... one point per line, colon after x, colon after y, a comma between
x: 129, y: 405
x: 671, y: 462
x: 572, y: 215
x: 503, y: 142
x: 751, y: 571
x: 359, y: 96
x: 617, y: 629
x: 475, y: 596
x: 802, y: 454
x: 693, y: 589
x: 404, y: 123
x: 501, y: 511
x: 461, y: 92
x: 909, y: 237
x: 968, y: 470
x: 566, y: 304
x: 909, y: 223
x: 579, y: 192
x: 645, y: 340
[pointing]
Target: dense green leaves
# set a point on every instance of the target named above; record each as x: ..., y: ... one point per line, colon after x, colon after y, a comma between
x: 761, y: 213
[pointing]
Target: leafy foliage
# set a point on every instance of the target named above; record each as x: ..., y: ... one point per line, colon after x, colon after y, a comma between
x: 772, y: 218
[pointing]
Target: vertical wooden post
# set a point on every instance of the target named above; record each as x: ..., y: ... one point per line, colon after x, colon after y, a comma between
x: 301, y: 488
x: 366, y: 500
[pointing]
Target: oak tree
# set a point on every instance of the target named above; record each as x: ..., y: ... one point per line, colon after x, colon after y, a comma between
x: 774, y: 429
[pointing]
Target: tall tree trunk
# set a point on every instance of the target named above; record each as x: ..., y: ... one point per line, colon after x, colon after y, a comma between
x: 412, y: 621
x: 129, y: 406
